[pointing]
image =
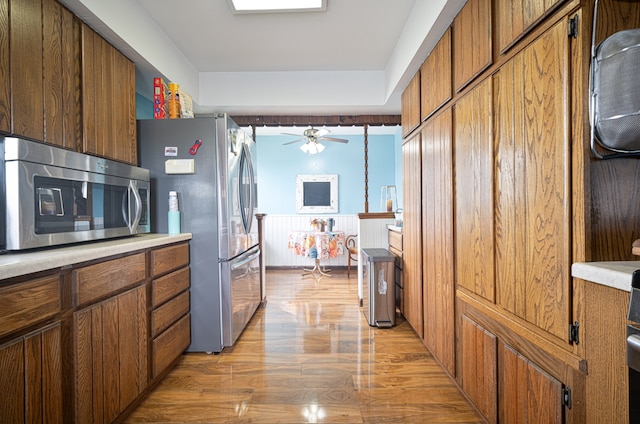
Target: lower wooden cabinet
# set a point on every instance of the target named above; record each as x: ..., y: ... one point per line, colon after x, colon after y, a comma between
x: 110, y: 355
x: 84, y: 344
x: 31, y: 377
x: 170, y: 303
x: 508, y: 387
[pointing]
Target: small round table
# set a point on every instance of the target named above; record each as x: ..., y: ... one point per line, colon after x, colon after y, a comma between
x: 317, y: 245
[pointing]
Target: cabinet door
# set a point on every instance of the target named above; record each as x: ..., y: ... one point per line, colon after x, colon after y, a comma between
x: 474, y: 191
x: 111, y: 356
x: 108, y: 81
x: 515, y: 17
x: 532, y: 183
x: 31, y: 375
x: 479, y: 351
x: 411, y: 106
x: 437, y: 239
x: 435, y: 77
x: 5, y: 81
x: 412, y: 249
x: 471, y: 41
x: 26, y: 68
x: 527, y: 393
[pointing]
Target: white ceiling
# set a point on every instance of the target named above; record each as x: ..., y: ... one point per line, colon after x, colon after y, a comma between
x: 355, y: 58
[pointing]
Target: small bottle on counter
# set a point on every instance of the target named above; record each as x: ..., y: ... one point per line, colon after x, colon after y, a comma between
x: 174, y: 213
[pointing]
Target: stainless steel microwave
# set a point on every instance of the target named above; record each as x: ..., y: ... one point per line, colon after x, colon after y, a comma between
x: 52, y: 196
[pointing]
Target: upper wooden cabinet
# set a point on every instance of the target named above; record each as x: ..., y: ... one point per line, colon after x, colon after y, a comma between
x: 472, y: 51
x: 108, y: 99
x: 61, y: 83
x: 25, y: 50
x: 435, y: 77
x: 5, y: 79
x: 533, y: 215
x: 515, y: 17
x: 411, y: 106
x: 37, y: 97
x: 474, y: 162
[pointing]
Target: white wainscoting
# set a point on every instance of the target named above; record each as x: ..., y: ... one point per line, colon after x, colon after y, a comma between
x: 276, y: 236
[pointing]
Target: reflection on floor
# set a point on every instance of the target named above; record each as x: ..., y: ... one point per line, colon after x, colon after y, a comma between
x: 309, y: 356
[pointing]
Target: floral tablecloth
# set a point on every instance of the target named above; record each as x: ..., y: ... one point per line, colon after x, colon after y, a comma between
x: 317, y: 244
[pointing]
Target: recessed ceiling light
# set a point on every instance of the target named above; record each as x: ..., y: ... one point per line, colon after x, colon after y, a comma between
x: 277, y: 6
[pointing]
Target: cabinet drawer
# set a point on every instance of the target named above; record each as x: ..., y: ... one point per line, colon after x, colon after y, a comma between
x: 170, y: 344
x: 164, y: 288
x: 97, y: 281
x: 27, y: 303
x: 169, y: 313
x: 169, y: 258
x: 395, y: 240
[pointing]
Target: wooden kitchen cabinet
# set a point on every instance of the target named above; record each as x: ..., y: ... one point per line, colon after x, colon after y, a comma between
x: 505, y: 385
x: 412, y: 230
x: 43, y: 72
x: 473, y: 191
x: 410, y: 116
x: 527, y: 393
x: 110, y: 354
x: 110, y: 337
x: 438, y: 285
x: 26, y: 68
x: 435, y: 77
x: 514, y: 18
x: 31, y: 377
x: 533, y: 216
x: 108, y: 99
x: 31, y: 363
x: 472, y: 52
x: 395, y: 247
x: 170, y: 303
x: 5, y: 79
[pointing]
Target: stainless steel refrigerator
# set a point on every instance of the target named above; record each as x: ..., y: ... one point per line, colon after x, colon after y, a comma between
x: 210, y: 163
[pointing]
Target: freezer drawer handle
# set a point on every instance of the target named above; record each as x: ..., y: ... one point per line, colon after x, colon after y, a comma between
x: 249, y: 259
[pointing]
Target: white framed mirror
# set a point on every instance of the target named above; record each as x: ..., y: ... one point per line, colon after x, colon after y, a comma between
x: 317, y: 193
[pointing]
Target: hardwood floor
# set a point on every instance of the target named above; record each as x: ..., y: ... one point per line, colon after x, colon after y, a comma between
x: 309, y: 356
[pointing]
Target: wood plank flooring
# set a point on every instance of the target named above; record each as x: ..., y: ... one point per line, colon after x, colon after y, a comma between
x: 309, y: 356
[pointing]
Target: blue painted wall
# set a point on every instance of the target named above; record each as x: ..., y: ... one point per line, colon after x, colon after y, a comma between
x: 278, y: 166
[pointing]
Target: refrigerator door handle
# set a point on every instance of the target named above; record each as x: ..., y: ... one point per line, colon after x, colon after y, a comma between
x: 246, y: 171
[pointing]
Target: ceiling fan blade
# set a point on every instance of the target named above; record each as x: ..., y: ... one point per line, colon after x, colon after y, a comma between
x: 339, y: 140
x: 321, y: 132
x: 295, y: 135
x: 294, y: 141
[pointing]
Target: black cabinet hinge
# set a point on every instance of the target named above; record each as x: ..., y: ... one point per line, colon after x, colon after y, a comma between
x: 574, y: 333
x: 573, y: 27
x: 566, y: 397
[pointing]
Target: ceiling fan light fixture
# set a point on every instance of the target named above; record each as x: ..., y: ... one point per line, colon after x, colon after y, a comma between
x: 312, y: 147
x: 273, y: 6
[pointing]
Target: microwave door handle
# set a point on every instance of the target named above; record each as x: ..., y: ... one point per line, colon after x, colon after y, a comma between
x: 133, y: 189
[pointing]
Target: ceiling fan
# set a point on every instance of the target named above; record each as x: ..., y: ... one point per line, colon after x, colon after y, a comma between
x: 313, y: 137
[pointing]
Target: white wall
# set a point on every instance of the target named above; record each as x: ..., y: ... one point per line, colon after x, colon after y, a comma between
x: 276, y: 236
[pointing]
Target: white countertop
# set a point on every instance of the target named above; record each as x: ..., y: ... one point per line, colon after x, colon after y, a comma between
x: 13, y: 264
x: 615, y: 274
